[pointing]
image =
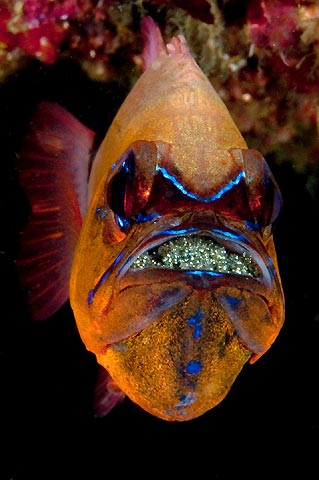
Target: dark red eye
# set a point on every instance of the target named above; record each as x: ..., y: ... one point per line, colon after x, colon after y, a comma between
x: 263, y: 193
x: 119, y: 188
x: 128, y: 190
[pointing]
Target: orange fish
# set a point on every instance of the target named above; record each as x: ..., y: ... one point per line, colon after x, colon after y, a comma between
x: 163, y: 243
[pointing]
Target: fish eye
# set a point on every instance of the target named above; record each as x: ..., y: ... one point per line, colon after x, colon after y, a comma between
x: 128, y: 190
x: 264, y: 197
x: 118, y: 188
x: 118, y: 191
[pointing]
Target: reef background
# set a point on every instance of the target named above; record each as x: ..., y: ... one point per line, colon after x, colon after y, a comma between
x: 262, y: 57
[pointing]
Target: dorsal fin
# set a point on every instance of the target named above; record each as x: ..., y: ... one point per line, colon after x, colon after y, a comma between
x: 154, y: 45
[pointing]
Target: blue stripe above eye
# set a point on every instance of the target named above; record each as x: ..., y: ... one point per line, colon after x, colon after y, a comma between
x: 180, y: 187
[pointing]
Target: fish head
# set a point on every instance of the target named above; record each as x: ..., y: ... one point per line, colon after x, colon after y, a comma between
x: 183, y: 287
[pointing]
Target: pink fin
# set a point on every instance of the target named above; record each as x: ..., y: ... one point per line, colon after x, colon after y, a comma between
x: 155, y: 46
x: 106, y: 395
x: 53, y: 169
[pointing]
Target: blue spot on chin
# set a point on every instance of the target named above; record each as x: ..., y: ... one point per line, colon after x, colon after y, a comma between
x: 195, y: 322
x: 185, y: 400
x: 193, y: 367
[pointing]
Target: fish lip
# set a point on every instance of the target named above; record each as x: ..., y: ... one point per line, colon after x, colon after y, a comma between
x: 233, y: 241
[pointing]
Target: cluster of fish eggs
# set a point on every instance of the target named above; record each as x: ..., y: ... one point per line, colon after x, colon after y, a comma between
x: 197, y: 253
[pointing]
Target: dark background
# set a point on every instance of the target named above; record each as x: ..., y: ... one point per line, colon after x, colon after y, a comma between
x: 269, y: 422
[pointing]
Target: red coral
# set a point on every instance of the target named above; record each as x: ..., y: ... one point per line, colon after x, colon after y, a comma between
x: 37, y: 26
x: 42, y: 42
x: 5, y: 35
x: 273, y: 24
x: 274, y: 27
x: 38, y: 11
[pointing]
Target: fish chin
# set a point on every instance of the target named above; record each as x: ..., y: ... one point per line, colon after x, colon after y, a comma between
x: 183, y: 364
x: 189, y: 312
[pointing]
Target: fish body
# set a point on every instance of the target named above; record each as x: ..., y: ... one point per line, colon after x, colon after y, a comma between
x: 174, y: 281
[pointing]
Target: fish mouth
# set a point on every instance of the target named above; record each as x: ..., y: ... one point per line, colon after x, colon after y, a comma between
x: 212, y: 256
x: 197, y: 253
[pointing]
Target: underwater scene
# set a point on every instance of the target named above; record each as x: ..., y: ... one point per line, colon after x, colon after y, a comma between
x: 159, y: 212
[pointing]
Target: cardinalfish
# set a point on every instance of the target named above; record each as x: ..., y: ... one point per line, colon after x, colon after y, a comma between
x: 163, y: 244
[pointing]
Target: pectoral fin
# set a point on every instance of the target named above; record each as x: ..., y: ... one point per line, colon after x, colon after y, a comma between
x: 53, y: 165
x: 106, y: 393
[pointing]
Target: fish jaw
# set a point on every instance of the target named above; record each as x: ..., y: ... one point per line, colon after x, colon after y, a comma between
x: 183, y: 364
x: 145, y: 330
x: 165, y: 261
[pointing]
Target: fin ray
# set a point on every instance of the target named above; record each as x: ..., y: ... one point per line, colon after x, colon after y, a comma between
x: 154, y: 46
x: 53, y: 165
x: 106, y: 394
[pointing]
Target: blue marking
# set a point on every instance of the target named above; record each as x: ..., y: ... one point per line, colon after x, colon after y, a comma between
x: 180, y: 187
x: 252, y: 225
x: 233, y: 301
x: 182, y: 231
x: 90, y: 296
x: 202, y: 273
x: 97, y: 286
x: 232, y: 236
x: 196, y: 322
x: 101, y: 212
x: 144, y: 217
x: 193, y: 367
x: 185, y: 400
x: 122, y: 222
x: 105, y: 275
x: 270, y: 261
